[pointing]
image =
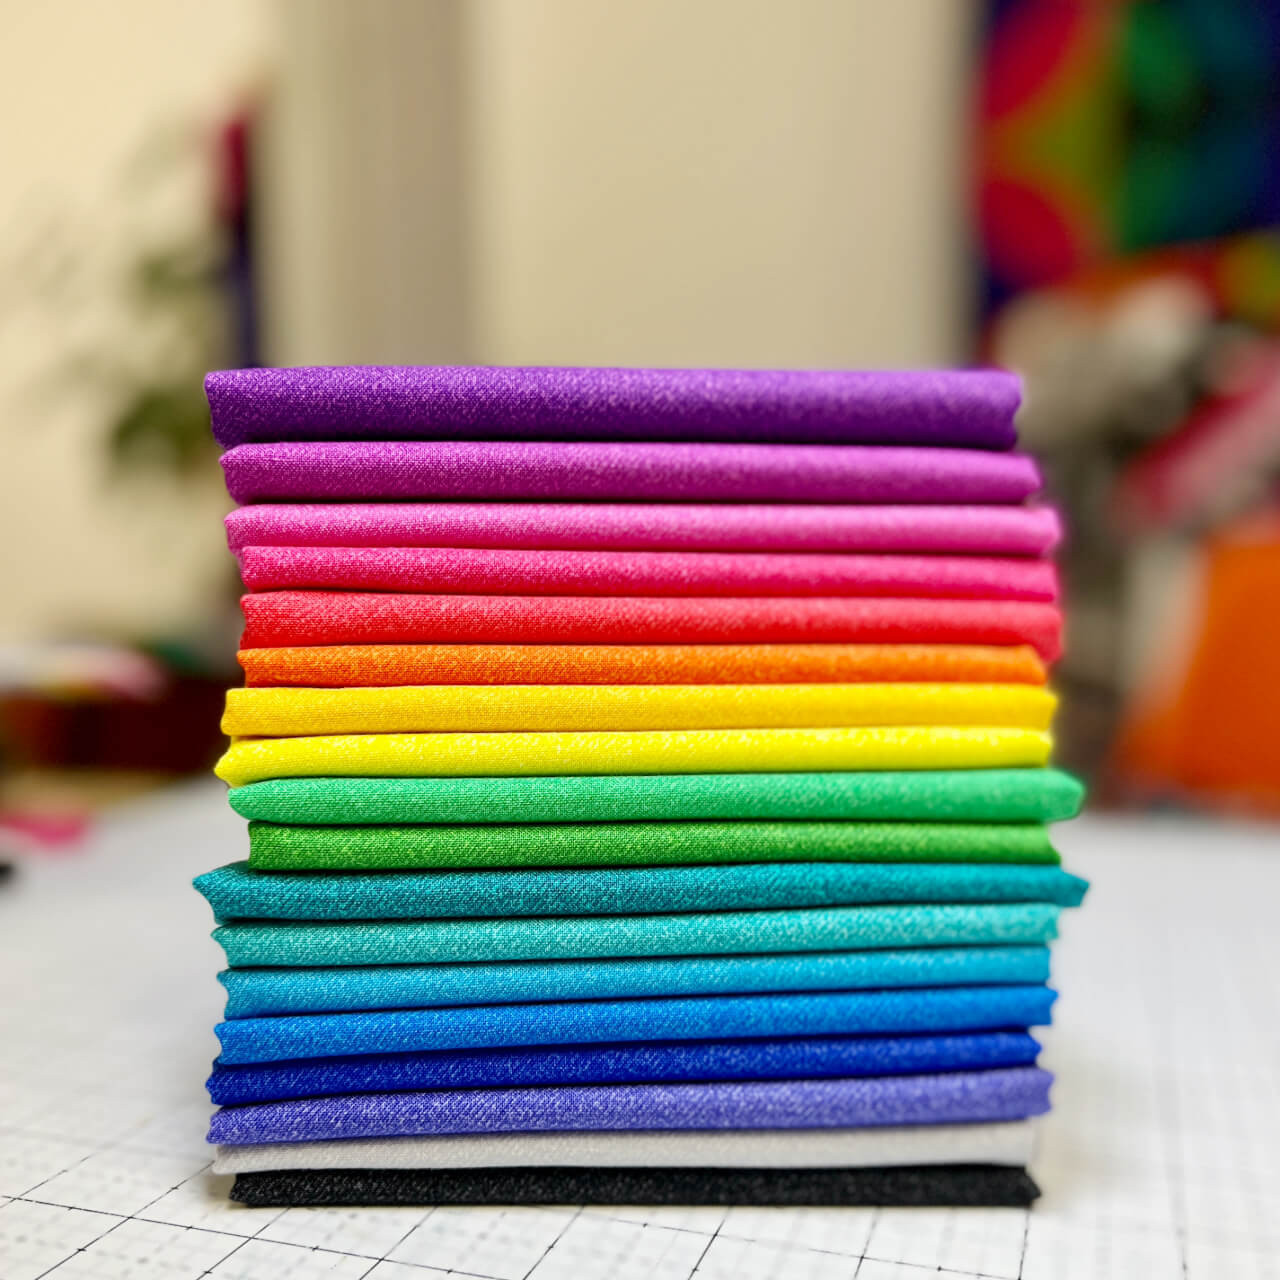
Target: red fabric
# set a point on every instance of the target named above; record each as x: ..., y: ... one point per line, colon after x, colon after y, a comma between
x: 278, y: 618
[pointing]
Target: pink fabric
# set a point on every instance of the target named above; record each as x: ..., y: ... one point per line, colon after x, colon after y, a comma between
x: 1000, y: 531
x: 469, y: 571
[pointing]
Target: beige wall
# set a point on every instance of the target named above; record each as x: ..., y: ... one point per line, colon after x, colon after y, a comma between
x: 742, y: 182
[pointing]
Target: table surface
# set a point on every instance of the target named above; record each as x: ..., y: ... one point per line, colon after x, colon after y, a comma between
x: 1160, y: 1161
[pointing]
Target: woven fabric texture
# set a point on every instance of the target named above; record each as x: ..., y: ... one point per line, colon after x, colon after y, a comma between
x: 952, y: 1097
x: 353, y: 617
x: 967, y: 1185
x: 757, y: 1059
x: 336, y: 848
x: 986, y: 530
x: 973, y: 409
x: 371, y: 664
x: 1008, y: 1142
x: 236, y: 892
x: 979, y: 796
x: 542, y: 470
x: 304, y: 943
x: 552, y: 708
x: 646, y: 751
x: 255, y: 993
x: 498, y: 571
x: 889, y: 1012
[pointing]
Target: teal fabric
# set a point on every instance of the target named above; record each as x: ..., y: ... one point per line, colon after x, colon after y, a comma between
x: 260, y: 992
x: 972, y: 795
x: 306, y: 943
x: 236, y: 892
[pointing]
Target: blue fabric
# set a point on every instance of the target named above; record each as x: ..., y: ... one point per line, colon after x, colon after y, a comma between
x: 692, y: 1018
x: 259, y: 992
x: 952, y: 1098
x: 796, y: 1057
x: 311, y: 943
x: 236, y: 892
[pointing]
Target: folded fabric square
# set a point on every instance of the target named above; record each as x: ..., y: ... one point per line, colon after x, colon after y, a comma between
x: 312, y: 942
x: 275, y: 847
x: 972, y: 409
x: 1007, y: 798
x: 358, y: 665
x: 496, y: 571
x: 642, y: 751
x: 960, y: 1185
x: 642, y: 1061
x: 354, y: 617
x: 235, y: 892
x: 978, y: 530
x: 843, y: 1013
x: 552, y: 708
x: 531, y: 471
x: 948, y: 1098
x: 267, y: 992
x: 1006, y: 1142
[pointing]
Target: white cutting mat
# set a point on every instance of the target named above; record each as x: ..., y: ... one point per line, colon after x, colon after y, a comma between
x: 1161, y: 1162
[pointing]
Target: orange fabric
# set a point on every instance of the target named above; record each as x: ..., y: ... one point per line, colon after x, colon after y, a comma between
x: 1216, y: 733
x: 351, y: 665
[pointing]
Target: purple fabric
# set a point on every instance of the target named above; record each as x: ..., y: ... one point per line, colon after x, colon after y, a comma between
x: 1009, y: 531
x: 953, y: 1097
x: 972, y: 409
x: 560, y: 470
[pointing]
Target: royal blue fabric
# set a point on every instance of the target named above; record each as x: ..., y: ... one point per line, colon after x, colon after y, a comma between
x: 235, y: 892
x: 956, y: 1097
x: 262, y: 992
x: 585, y: 1022
x: 797, y: 1058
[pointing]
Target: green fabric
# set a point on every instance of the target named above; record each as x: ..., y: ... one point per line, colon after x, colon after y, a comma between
x: 281, y: 848
x: 981, y: 795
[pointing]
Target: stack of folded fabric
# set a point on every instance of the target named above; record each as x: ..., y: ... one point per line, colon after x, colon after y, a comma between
x: 647, y: 789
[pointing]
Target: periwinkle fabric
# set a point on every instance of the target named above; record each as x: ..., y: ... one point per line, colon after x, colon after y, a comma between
x: 986, y: 530
x: 551, y: 708
x: 541, y: 470
x: 980, y: 796
x: 350, y: 848
x: 305, y: 943
x: 973, y: 409
x: 352, y: 666
x: 498, y: 571
x: 1007, y: 1142
x: 843, y: 1013
x: 293, y: 618
x: 254, y: 993
x: 645, y: 1061
x: 947, y: 1098
x: 643, y: 751
x: 963, y: 1185
x: 235, y: 892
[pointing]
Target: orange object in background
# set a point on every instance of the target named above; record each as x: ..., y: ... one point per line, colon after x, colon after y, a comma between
x: 1217, y: 733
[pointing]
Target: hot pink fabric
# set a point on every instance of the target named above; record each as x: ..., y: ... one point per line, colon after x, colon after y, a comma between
x: 463, y: 570
x: 997, y: 531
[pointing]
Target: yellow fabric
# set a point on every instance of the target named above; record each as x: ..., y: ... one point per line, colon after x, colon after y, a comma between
x: 284, y: 712
x: 660, y: 751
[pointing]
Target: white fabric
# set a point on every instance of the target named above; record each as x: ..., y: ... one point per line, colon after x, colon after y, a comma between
x: 1006, y: 1143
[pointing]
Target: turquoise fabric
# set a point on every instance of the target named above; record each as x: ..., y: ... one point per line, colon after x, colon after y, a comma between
x: 260, y: 992
x: 295, y: 944
x: 236, y: 892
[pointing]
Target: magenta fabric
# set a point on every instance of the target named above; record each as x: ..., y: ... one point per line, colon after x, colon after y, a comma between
x: 972, y: 409
x: 994, y: 530
x: 276, y: 618
x: 299, y: 471
x: 469, y: 571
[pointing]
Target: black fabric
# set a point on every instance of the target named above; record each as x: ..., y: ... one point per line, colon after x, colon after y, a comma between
x: 939, y: 1185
